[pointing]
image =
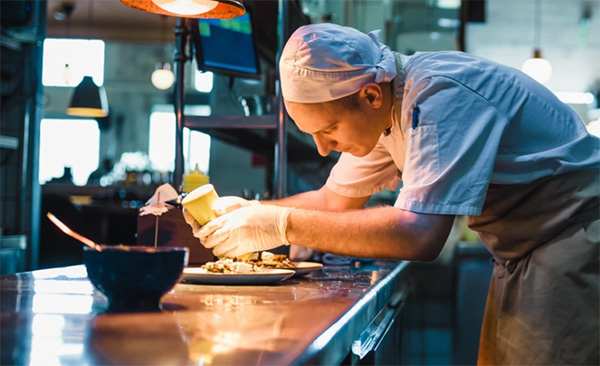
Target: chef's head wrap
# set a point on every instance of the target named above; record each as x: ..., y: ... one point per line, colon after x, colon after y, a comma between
x: 325, y: 62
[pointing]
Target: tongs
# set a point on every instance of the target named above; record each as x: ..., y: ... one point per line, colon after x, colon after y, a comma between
x: 177, y: 201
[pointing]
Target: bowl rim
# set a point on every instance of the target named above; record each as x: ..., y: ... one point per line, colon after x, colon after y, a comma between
x: 137, y: 249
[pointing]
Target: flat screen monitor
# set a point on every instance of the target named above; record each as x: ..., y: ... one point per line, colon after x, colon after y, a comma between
x: 226, y: 46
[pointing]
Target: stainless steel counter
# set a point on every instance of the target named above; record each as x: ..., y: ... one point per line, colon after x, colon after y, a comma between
x: 56, y: 317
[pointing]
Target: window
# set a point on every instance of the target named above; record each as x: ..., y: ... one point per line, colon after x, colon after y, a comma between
x: 84, y: 57
x: 203, y: 81
x: 161, y: 149
x: 65, y: 143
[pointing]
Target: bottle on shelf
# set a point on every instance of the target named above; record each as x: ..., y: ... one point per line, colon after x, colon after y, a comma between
x: 194, y: 179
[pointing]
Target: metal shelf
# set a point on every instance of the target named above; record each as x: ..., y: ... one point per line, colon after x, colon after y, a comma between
x: 246, y: 132
x: 268, y: 122
x: 7, y: 142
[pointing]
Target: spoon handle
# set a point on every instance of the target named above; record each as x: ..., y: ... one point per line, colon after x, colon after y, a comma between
x: 73, y: 234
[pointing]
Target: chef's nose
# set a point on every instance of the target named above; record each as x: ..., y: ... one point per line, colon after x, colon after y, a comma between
x: 324, y: 145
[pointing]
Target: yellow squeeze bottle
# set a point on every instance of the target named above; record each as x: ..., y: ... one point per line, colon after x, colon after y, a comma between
x: 194, y: 180
x: 199, y: 203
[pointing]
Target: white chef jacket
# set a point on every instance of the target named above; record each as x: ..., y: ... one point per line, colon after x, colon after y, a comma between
x: 465, y: 122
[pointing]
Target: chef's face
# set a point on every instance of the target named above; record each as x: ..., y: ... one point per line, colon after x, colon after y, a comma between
x: 352, y: 124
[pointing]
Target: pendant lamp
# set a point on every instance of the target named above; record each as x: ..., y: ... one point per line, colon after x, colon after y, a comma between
x: 537, y: 67
x: 88, y: 100
x: 182, y: 9
x: 223, y: 9
x: 162, y: 77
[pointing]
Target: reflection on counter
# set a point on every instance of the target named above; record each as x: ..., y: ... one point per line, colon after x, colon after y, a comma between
x: 58, y: 310
x: 12, y: 253
x: 215, y: 334
x: 198, y: 324
x: 125, y: 339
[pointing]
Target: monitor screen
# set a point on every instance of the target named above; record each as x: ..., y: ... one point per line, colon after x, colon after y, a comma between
x: 226, y: 46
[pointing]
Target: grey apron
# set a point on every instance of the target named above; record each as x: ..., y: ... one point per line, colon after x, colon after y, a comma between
x: 543, y: 304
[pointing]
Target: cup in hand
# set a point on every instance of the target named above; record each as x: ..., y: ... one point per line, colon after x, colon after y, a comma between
x: 199, y: 203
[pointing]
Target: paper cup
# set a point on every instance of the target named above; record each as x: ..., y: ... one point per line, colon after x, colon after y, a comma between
x: 199, y: 203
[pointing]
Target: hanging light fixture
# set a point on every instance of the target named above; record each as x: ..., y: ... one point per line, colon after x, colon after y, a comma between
x: 223, y: 9
x: 162, y: 77
x: 63, y: 12
x: 537, y: 67
x: 186, y: 7
x: 88, y: 99
x: 67, y: 75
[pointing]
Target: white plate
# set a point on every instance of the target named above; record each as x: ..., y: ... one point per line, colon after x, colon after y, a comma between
x: 304, y: 268
x: 264, y: 277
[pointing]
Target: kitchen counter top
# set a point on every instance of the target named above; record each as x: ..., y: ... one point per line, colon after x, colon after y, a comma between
x: 56, y: 317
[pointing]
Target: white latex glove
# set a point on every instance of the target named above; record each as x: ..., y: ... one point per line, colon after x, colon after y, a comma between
x: 246, y: 230
x: 227, y: 204
x: 190, y: 220
x: 221, y: 206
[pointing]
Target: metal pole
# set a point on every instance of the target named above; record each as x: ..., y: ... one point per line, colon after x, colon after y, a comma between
x: 281, y: 144
x: 31, y: 199
x: 181, y: 37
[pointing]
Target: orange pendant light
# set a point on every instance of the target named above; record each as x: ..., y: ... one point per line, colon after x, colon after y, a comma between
x: 223, y: 9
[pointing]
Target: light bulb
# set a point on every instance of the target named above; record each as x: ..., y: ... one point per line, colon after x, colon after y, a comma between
x: 538, y: 68
x: 186, y: 7
x: 67, y: 75
x: 163, y: 77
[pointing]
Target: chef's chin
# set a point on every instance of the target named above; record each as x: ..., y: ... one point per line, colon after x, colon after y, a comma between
x: 360, y: 152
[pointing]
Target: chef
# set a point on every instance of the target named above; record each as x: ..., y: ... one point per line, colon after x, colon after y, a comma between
x: 463, y: 136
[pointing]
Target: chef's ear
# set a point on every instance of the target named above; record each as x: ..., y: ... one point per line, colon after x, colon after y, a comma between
x: 373, y: 94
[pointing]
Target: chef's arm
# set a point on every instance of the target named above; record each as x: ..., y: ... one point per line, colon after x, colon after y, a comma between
x: 322, y: 199
x: 379, y: 232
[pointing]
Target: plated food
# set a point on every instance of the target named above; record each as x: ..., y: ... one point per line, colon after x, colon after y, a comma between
x: 256, y: 263
x: 196, y: 275
x: 271, y: 260
x: 228, y: 266
x: 257, y: 269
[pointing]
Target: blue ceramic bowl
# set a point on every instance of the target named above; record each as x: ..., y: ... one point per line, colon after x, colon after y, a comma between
x: 134, y: 278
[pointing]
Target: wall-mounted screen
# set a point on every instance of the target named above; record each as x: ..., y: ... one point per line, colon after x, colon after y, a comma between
x: 226, y: 46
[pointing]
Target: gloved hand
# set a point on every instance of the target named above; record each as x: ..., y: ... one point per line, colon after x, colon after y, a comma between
x: 246, y: 230
x: 190, y: 220
x: 221, y: 206
x: 227, y: 204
